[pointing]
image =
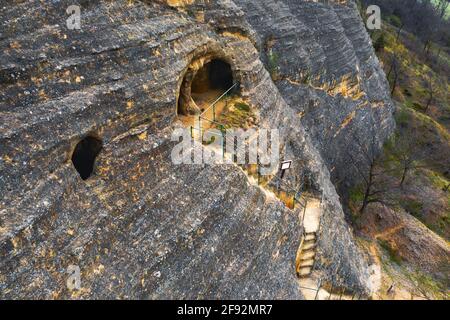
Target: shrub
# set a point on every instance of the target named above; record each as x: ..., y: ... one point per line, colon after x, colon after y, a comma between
x: 356, y: 195
x: 402, y: 117
x: 392, y: 252
x: 242, y: 106
x: 412, y: 206
x: 273, y: 65
x: 395, y: 21
x: 417, y: 106
x: 380, y: 41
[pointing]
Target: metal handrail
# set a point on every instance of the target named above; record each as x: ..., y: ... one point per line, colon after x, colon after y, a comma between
x: 218, y: 99
x: 307, y: 288
x: 210, y: 132
x: 212, y: 121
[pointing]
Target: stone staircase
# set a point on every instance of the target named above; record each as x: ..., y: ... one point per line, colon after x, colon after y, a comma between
x: 310, y: 280
x: 307, y: 254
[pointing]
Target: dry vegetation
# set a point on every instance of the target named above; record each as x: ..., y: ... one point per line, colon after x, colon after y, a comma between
x: 407, y: 227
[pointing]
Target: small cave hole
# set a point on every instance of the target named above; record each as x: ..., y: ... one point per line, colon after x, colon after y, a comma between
x: 83, y: 157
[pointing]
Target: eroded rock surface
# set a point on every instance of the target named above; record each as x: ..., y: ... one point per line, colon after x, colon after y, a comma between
x: 142, y: 227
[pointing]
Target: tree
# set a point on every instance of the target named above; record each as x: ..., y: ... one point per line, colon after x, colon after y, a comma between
x: 394, y: 67
x: 368, y: 164
x: 406, y: 154
x: 446, y: 188
x: 427, y: 23
x: 399, y: 24
x: 420, y: 17
x: 429, y: 81
x: 380, y: 43
x: 442, y: 7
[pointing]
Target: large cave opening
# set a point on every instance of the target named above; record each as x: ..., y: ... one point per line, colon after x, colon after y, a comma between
x: 215, y: 75
x: 202, y: 85
x: 210, y: 97
x: 84, y: 155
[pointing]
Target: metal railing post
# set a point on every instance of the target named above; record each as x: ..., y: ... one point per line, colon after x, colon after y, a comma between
x: 331, y: 290
x: 304, y: 211
x: 258, y: 169
x: 342, y: 293
x: 223, y: 146
x: 318, y: 289
x: 200, y: 128
x: 218, y: 99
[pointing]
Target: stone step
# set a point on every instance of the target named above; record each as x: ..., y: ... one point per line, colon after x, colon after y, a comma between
x: 308, y: 246
x: 310, y: 241
x: 304, y: 272
x: 310, y: 236
x: 307, y: 255
x: 306, y: 263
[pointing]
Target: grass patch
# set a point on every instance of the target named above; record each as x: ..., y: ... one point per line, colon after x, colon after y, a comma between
x: 442, y: 225
x: 436, y: 179
x: 356, y: 195
x: 415, y: 70
x: 429, y: 285
x: 273, y: 65
x: 412, y: 206
x: 392, y: 252
x: 236, y: 114
x: 242, y: 106
x: 402, y: 117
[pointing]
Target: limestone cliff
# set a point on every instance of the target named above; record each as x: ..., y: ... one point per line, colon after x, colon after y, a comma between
x: 141, y: 226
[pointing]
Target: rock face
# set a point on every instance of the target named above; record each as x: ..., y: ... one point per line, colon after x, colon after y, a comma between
x: 327, y: 71
x: 141, y: 226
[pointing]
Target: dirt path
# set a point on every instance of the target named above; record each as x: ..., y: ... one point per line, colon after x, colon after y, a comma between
x: 389, y: 231
x: 204, y: 101
x: 312, y: 215
x: 375, y: 253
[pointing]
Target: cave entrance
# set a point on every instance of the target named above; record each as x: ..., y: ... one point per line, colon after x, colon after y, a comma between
x: 203, y: 84
x: 84, y: 155
x: 215, y: 75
